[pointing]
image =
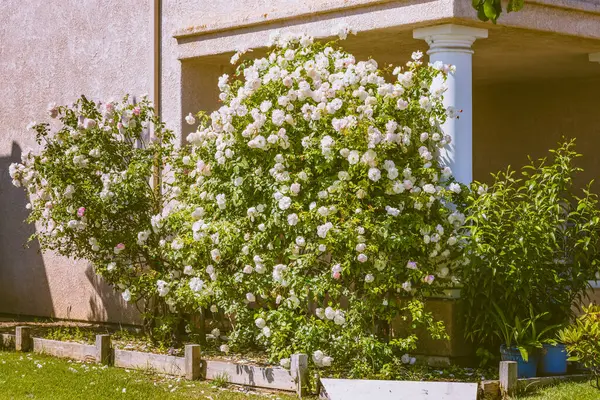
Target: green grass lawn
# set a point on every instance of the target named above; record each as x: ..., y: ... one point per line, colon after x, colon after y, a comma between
x: 35, y: 376
x: 565, y: 391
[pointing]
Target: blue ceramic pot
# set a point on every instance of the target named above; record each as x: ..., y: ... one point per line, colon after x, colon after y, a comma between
x: 524, y: 369
x: 553, y: 360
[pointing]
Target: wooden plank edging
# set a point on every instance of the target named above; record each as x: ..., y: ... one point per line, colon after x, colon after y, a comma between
x: 191, y: 366
x: 57, y: 348
x: 170, y: 365
x: 250, y: 375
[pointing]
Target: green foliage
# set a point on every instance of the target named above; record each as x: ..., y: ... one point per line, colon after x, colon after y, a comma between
x: 582, y: 340
x: 490, y: 10
x: 525, y: 334
x: 70, y: 334
x: 533, y: 245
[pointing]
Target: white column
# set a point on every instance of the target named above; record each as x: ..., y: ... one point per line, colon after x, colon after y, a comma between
x: 451, y: 44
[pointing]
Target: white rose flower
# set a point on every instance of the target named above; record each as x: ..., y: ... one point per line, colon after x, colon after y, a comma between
x: 295, y: 188
x: 454, y: 187
x: 250, y: 297
x: 163, y: 288
x: 318, y: 357
x: 196, y: 284
x: 330, y: 313
x: 190, y: 119
x: 374, y: 174
x: 266, y: 331
x: 126, y: 295
x: 285, y: 203
x: 215, y: 254
x: 260, y: 323
x: 353, y: 157
x: 292, y: 219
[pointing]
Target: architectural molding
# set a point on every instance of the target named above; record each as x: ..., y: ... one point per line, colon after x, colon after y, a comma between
x: 450, y: 37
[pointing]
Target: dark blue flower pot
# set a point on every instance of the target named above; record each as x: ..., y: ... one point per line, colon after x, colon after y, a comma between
x: 553, y: 360
x: 524, y: 369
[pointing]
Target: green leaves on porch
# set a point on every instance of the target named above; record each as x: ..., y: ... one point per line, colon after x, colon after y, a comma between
x: 490, y: 10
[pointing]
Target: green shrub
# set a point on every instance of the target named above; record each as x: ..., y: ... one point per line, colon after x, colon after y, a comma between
x: 533, y: 244
x: 582, y: 340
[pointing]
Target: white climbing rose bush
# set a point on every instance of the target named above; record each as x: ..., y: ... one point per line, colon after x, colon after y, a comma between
x: 89, y: 184
x: 311, y: 207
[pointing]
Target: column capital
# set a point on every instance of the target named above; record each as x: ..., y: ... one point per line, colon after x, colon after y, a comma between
x: 595, y: 57
x: 450, y: 37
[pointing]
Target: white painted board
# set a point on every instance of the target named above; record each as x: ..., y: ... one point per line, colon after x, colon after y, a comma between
x: 351, y: 389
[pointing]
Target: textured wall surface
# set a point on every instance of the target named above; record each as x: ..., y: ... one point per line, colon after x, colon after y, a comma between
x: 513, y: 120
x: 56, y: 51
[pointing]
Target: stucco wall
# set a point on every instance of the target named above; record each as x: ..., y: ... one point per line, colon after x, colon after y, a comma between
x: 56, y: 51
x: 513, y: 120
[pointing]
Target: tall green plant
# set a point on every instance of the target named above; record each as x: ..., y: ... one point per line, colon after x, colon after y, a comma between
x: 533, y: 244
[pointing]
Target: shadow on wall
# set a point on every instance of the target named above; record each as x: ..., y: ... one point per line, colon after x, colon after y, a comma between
x: 23, y: 282
x: 107, y: 304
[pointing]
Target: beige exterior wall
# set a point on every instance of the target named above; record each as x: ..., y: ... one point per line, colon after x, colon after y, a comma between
x: 514, y: 120
x: 56, y: 51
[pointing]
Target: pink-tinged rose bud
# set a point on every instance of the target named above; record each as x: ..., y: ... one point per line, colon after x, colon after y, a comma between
x: 429, y: 279
x: 336, y: 275
x: 120, y: 125
x: 80, y: 212
x: 136, y: 110
x: 119, y: 248
x: 411, y: 265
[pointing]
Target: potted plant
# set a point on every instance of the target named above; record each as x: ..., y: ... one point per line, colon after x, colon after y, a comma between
x: 522, y: 341
x: 553, y: 358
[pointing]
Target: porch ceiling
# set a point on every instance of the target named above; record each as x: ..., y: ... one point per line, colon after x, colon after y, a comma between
x: 508, y: 54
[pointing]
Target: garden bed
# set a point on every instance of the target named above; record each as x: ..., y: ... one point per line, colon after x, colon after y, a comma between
x: 191, y: 366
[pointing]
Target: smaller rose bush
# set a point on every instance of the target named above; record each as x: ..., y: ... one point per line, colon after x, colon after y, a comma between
x: 311, y: 207
x: 90, y: 190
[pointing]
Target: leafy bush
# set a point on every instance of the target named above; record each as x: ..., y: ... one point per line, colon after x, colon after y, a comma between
x: 582, y: 340
x: 533, y: 244
x: 90, y: 191
x: 311, y: 207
